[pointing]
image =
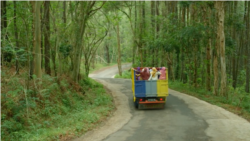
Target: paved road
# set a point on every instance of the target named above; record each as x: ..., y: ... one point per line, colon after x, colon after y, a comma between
x: 184, y: 118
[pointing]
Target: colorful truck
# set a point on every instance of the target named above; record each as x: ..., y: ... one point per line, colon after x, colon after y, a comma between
x: 149, y: 94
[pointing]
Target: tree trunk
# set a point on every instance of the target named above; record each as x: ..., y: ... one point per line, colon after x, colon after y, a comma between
x: 64, y: 12
x: 234, y: 61
x: 144, y: 33
x: 42, y: 33
x: 37, y: 39
x: 16, y: 36
x: 195, y: 66
x: 47, y: 37
x: 1, y: 28
x: 4, y: 17
x: 182, y: 48
x: 153, y: 30
x: 247, y: 89
x: 107, y: 53
x: 140, y: 44
x: 216, y: 71
x: 208, y: 78
x: 207, y: 11
x: 157, y: 15
x: 79, y: 38
x: 135, y: 36
x: 219, y: 5
x: 118, y: 49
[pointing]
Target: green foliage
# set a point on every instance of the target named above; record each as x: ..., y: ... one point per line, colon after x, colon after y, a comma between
x: 184, y: 3
x: 125, y: 74
x: 48, y: 108
x: 89, y: 83
x: 65, y: 49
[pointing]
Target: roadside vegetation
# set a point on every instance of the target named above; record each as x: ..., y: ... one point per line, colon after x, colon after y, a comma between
x: 51, y: 108
x: 238, y: 100
x: 125, y: 74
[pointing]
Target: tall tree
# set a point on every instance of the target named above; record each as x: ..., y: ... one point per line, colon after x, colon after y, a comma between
x: 16, y: 36
x: 64, y: 12
x: 1, y: 29
x: 118, y: 46
x: 247, y: 21
x: 206, y: 18
x: 232, y: 13
x: 85, y: 12
x: 37, y: 39
x: 47, y: 37
x: 153, y: 33
x: 219, y: 5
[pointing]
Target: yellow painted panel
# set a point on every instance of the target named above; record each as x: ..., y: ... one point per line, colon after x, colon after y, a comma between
x: 133, y: 80
x: 162, y: 86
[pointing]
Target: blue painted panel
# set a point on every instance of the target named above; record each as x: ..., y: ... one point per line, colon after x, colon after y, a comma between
x: 148, y: 87
x: 151, y: 88
x: 140, y: 90
x: 154, y: 87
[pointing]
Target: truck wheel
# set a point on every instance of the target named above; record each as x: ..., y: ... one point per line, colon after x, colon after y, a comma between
x: 136, y: 104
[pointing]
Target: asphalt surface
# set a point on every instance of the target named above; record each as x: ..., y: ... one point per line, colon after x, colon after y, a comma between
x: 184, y: 118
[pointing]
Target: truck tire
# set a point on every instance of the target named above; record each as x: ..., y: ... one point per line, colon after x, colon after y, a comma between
x: 136, y: 103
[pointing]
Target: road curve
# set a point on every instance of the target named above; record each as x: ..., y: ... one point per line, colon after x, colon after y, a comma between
x: 184, y: 118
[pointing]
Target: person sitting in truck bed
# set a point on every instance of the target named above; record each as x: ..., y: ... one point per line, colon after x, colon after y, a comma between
x: 145, y: 74
x: 163, y: 74
x: 154, y: 74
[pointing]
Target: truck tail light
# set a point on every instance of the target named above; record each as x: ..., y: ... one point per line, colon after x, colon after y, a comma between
x: 161, y: 99
x: 140, y: 99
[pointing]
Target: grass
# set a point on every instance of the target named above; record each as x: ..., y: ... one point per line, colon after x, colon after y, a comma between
x: 51, y: 109
x: 125, y: 74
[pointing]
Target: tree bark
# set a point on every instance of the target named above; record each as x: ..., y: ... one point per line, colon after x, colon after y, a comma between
x: 216, y: 71
x: 37, y: 39
x: 16, y: 36
x: 207, y: 11
x: 119, y: 48
x: 219, y: 5
x: 135, y: 35
x: 234, y: 61
x: 107, y: 53
x: 247, y: 89
x: 1, y: 28
x: 64, y: 12
x: 153, y: 24
x: 47, y: 37
x: 140, y: 42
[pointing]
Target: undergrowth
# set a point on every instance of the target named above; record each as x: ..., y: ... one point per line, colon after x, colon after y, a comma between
x: 125, y: 74
x: 51, y: 108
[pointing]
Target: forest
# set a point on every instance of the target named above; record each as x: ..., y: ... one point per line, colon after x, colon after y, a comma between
x: 48, y: 46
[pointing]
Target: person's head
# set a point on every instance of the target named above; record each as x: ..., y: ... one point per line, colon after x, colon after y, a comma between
x: 163, y: 68
x: 138, y: 68
x: 154, y: 70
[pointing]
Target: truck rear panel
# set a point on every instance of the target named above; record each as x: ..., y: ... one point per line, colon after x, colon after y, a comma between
x: 149, y: 89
